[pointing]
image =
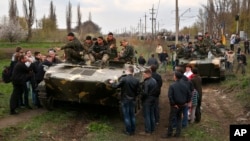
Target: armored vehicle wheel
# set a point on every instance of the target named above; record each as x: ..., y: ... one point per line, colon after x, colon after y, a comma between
x: 46, y: 101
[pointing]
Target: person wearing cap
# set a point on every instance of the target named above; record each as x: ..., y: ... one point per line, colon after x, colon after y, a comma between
x: 100, y: 50
x: 128, y: 53
x: 73, y: 49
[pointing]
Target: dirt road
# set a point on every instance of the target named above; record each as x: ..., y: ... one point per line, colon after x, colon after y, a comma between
x: 219, y: 110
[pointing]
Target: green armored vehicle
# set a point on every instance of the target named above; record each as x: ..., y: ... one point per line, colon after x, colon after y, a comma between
x: 209, y: 66
x: 84, y: 84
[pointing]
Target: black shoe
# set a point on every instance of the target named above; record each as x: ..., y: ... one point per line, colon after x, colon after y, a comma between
x: 177, y: 135
x: 28, y: 107
x: 166, y: 136
x: 39, y: 106
x: 13, y: 113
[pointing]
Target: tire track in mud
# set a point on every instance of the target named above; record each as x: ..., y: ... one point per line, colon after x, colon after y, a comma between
x: 220, y: 110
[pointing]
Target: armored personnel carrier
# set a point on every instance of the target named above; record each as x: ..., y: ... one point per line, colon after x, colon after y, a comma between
x: 209, y: 66
x: 83, y: 84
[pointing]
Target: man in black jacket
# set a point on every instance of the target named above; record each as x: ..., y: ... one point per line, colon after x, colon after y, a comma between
x: 21, y: 74
x: 158, y: 79
x: 149, y: 92
x: 129, y: 90
x: 179, y: 95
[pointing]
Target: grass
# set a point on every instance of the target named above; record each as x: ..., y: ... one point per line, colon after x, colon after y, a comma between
x: 48, y: 123
x: 5, y: 91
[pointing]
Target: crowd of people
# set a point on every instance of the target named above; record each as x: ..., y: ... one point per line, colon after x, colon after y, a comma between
x: 27, y: 70
x: 185, y: 94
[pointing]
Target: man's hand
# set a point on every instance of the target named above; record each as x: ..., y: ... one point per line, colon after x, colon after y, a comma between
x: 57, y: 48
x: 176, y: 106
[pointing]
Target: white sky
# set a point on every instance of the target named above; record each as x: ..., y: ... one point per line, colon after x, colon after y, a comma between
x: 116, y: 15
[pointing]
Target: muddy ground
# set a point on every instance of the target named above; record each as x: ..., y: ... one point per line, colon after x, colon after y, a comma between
x: 219, y: 110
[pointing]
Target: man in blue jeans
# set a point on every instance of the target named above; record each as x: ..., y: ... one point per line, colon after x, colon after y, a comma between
x: 149, y: 92
x: 129, y: 90
x: 178, y: 95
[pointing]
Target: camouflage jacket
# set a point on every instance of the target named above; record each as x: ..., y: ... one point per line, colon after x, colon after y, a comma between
x: 128, y: 53
x: 113, y: 41
x: 87, y: 46
x: 112, y: 52
x: 100, y: 49
x: 74, y: 44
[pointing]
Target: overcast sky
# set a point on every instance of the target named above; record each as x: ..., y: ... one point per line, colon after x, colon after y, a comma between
x: 116, y: 15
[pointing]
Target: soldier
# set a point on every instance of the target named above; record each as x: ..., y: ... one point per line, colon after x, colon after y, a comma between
x: 87, y: 45
x: 111, y: 39
x: 113, y: 52
x: 200, y: 47
x: 100, y: 50
x: 216, y: 51
x: 73, y: 49
x: 128, y: 54
x: 188, y: 50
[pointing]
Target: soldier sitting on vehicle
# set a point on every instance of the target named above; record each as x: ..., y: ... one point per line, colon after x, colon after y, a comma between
x: 128, y: 53
x: 216, y: 50
x: 73, y: 49
x: 112, y: 50
x: 200, y: 49
x: 188, y: 50
x: 180, y: 51
x: 100, y: 51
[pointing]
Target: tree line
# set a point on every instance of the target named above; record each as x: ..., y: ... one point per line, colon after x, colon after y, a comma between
x: 15, y: 28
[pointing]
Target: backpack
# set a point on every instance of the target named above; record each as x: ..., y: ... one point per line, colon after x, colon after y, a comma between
x: 6, y: 74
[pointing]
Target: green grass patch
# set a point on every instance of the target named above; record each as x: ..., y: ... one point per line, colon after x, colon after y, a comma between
x: 99, y: 127
x: 48, y: 122
x: 37, y: 45
x: 5, y: 91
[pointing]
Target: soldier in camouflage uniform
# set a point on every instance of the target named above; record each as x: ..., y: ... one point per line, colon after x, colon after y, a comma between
x: 111, y: 39
x: 100, y: 50
x: 87, y: 45
x: 201, y: 47
x: 216, y: 51
x: 112, y: 52
x: 73, y: 49
x: 128, y: 54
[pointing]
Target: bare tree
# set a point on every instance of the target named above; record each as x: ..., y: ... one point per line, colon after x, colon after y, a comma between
x: 29, y: 13
x: 79, y: 17
x: 13, y: 11
x: 52, y: 16
x: 69, y: 16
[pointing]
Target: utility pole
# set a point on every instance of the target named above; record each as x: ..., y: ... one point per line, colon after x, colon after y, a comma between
x: 145, y: 23
x: 176, y: 22
x: 140, y: 31
x: 152, y: 19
